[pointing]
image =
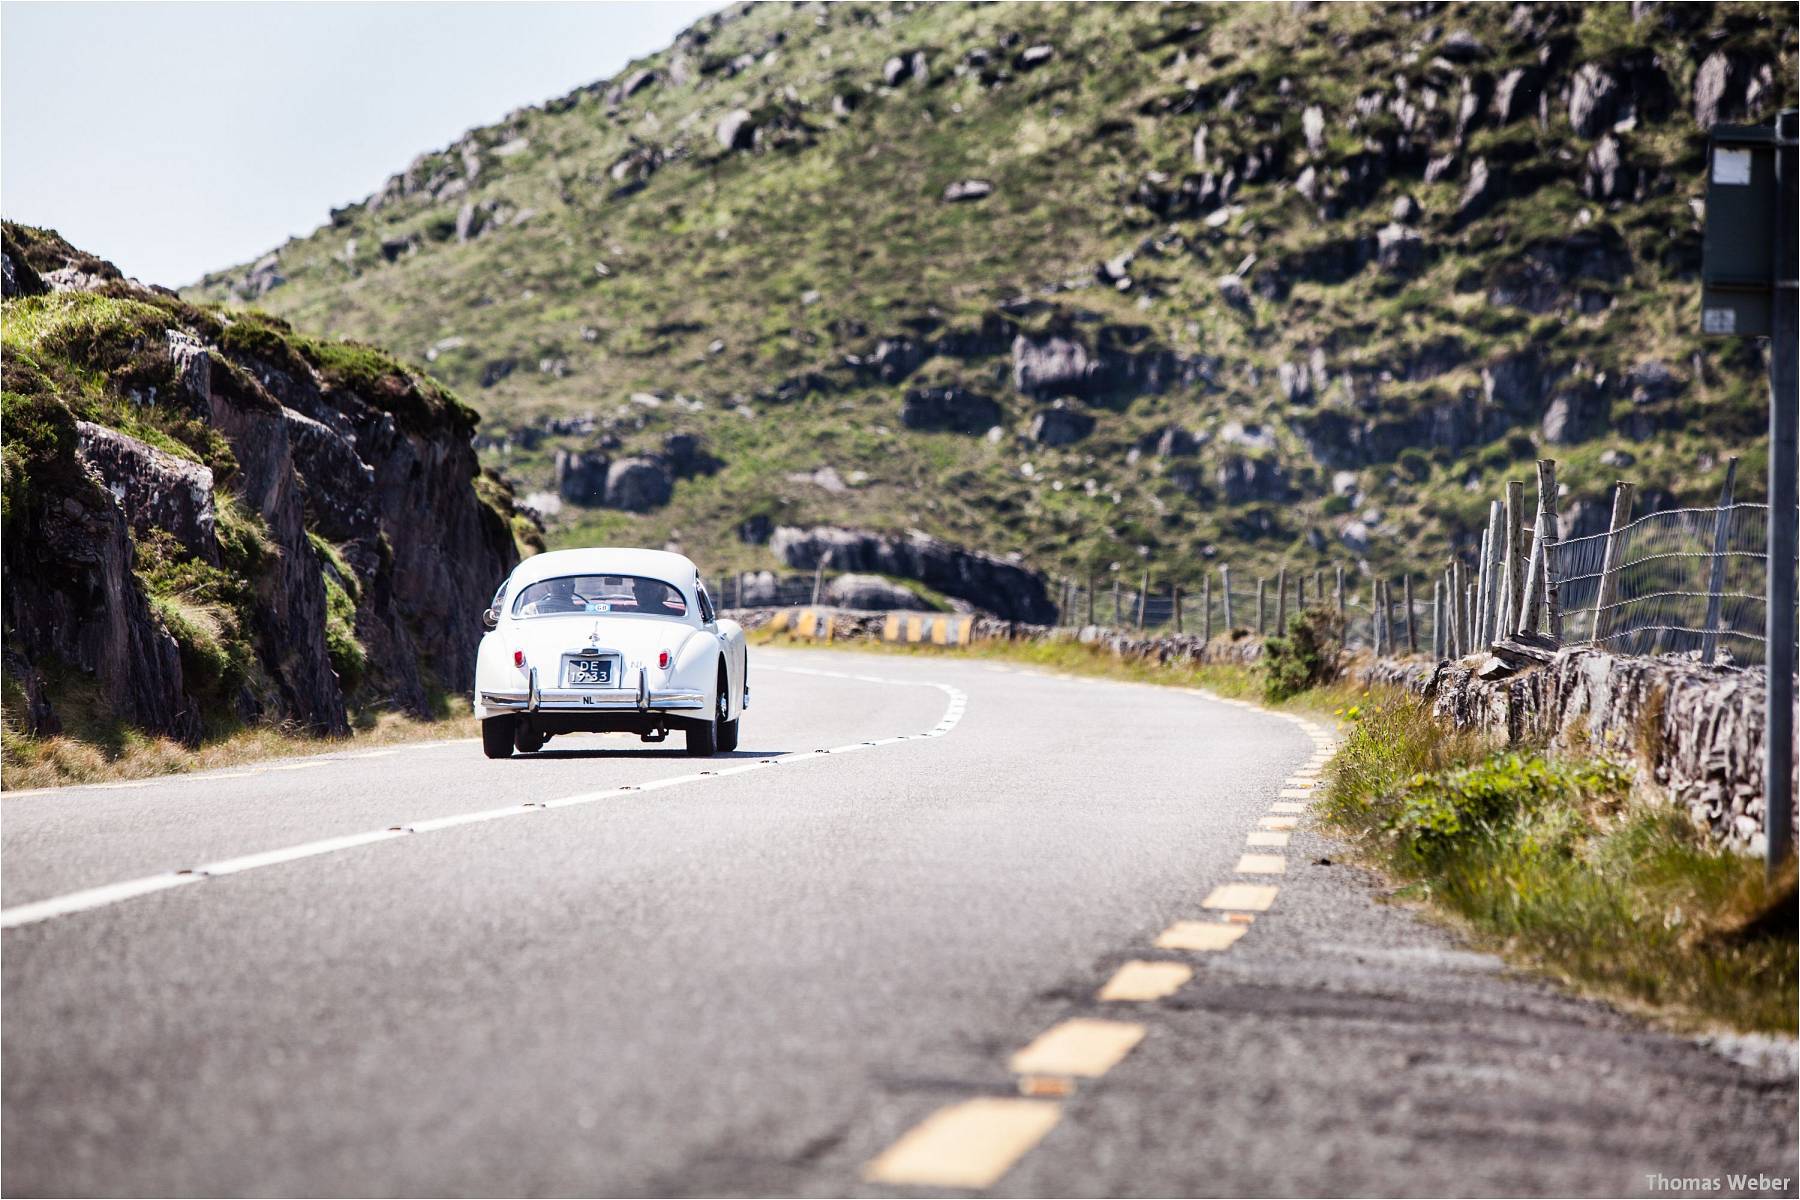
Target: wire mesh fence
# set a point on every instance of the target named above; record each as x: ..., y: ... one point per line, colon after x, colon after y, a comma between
x: 1680, y: 581
x: 1685, y: 580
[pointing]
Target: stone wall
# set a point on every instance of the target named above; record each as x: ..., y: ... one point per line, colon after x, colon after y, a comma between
x: 1695, y: 731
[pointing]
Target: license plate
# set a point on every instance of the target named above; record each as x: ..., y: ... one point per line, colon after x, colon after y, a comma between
x: 588, y: 672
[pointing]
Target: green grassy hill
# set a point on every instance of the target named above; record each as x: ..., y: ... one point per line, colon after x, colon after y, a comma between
x: 1273, y: 283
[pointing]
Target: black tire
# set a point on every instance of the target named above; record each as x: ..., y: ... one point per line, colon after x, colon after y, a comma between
x: 528, y: 740
x: 728, y: 737
x: 705, y: 739
x: 497, y: 736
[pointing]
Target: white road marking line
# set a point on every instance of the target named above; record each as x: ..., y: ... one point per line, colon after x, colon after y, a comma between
x: 1263, y: 837
x: 1262, y: 864
x: 1244, y: 897
x: 1287, y: 806
x: 114, y: 893
x: 1200, y: 936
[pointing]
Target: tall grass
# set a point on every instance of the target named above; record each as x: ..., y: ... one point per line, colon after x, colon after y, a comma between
x: 1568, y: 865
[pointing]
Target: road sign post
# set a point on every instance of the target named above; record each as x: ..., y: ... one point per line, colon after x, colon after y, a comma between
x: 1750, y: 272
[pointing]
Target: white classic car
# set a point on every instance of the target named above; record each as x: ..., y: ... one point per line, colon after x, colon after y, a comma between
x: 608, y: 641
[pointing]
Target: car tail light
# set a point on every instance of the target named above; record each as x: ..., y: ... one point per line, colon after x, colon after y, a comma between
x: 518, y: 658
x: 662, y: 660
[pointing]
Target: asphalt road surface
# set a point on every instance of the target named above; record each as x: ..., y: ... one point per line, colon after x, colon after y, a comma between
x: 597, y: 971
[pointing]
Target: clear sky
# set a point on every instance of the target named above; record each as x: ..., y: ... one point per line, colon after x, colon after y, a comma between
x: 177, y: 138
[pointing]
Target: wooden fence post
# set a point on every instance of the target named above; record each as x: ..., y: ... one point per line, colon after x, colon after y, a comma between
x: 1318, y: 587
x: 1375, y: 617
x: 1514, y: 584
x: 1715, y: 584
x: 1492, y: 564
x: 1412, y: 619
x: 1225, y: 586
x: 1481, y: 574
x: 1143, y: 597
x: 1438, y: 646
x: 1206, y: 605
x: 1538, y: 616
x: 1608, y: 590
x: 1340, y: 591
x: 1262, y: 608
x: 1175, y: 604
x: 1118, y: 610
x: 1552, y: 534
x: 819, y: 577
x: 1299, y: 593
x: 1459, y: 635
x: 1281, y: 603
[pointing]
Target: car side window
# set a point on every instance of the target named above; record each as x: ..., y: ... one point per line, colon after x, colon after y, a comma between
x: 707, y: 614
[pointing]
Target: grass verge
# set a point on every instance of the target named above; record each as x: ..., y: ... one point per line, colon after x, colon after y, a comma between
x: 62, y: 761
x: 1568, y: 866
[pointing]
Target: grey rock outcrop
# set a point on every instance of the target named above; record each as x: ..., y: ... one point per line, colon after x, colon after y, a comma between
x: 154, y: 489
x: 581, y: 477
x: 736, y: 130
x: 1005, y: 588
x: 1059, y: 426
x: 951, y: 409
x: 871, y: 593
x: 639, y: 484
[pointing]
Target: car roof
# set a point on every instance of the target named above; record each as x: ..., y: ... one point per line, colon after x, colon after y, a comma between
x: 665, y: 565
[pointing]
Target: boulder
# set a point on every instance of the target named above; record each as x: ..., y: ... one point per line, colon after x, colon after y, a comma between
x: 1312, y: 128
x: 1577, y: 412
x: 1462, y: 47
x: 1232, y: 291
x: 1607, y: 177
x: 896, y: 358
x: 1001, y: 586
x: 581, y: 477
x: 1052, y: 364
x: 1033, y: 57
x: 1241, y: 478
x: 639, y: 484
x: 634, y: 83
x: 755, y: 530
x: 951, y: 409
x: 1594, y: 100
x: 913, y: 67
x: 1059, y: 426
x: 1295, y: 381
x: 1719, y: 87
x: 964, y: 190
x: 1405, y: 210
x: 871, y: 593
x: 1479, y: 194
x: 1399, y: 250
x: 686, y: 456
x: 736, y: 130
x: 1516, y: 95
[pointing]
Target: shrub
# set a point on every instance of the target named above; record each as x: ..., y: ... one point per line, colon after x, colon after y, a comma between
x: 1307, y: 657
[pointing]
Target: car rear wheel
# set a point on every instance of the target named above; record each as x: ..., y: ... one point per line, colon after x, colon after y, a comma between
x: 497, y: 736
x: 528, y: 740
x: 706, y: 739
x: 728, y: 737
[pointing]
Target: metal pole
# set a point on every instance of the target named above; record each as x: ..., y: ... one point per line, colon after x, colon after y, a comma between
x: 1515, y: 557
x: 1225, y: 585
x: 1784, y: 505
x: 1143, y: 597
x: 1281, y: 603
x: 1715, y: 583
x: 1615, y: 548
x: 1262, y: 608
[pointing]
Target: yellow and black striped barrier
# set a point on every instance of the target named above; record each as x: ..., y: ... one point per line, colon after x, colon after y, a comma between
x: 813, y: 623
x: 940, y: 629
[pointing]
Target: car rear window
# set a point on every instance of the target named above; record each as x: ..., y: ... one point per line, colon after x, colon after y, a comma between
x: 626, y: 594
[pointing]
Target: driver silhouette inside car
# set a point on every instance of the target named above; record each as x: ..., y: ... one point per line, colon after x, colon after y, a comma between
x: 558, y: 597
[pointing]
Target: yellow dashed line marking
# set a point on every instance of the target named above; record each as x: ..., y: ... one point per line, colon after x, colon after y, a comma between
x: 967, y: 1145
x: 1199, y: 935
x: 1278, y: 822
x: 1079, y: 1046
x: 1263, y: 837
x: 1302, y: 781
x: 1245, y: 897
x: 1262, y: 864
x: 1146, y: 980
x: 1287, y: 806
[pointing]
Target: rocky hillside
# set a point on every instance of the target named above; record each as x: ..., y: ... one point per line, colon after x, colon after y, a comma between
x: 1279, y: 283
x: 212, y: 521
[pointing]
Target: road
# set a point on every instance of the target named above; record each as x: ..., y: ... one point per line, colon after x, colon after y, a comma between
x: 807, y: 974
